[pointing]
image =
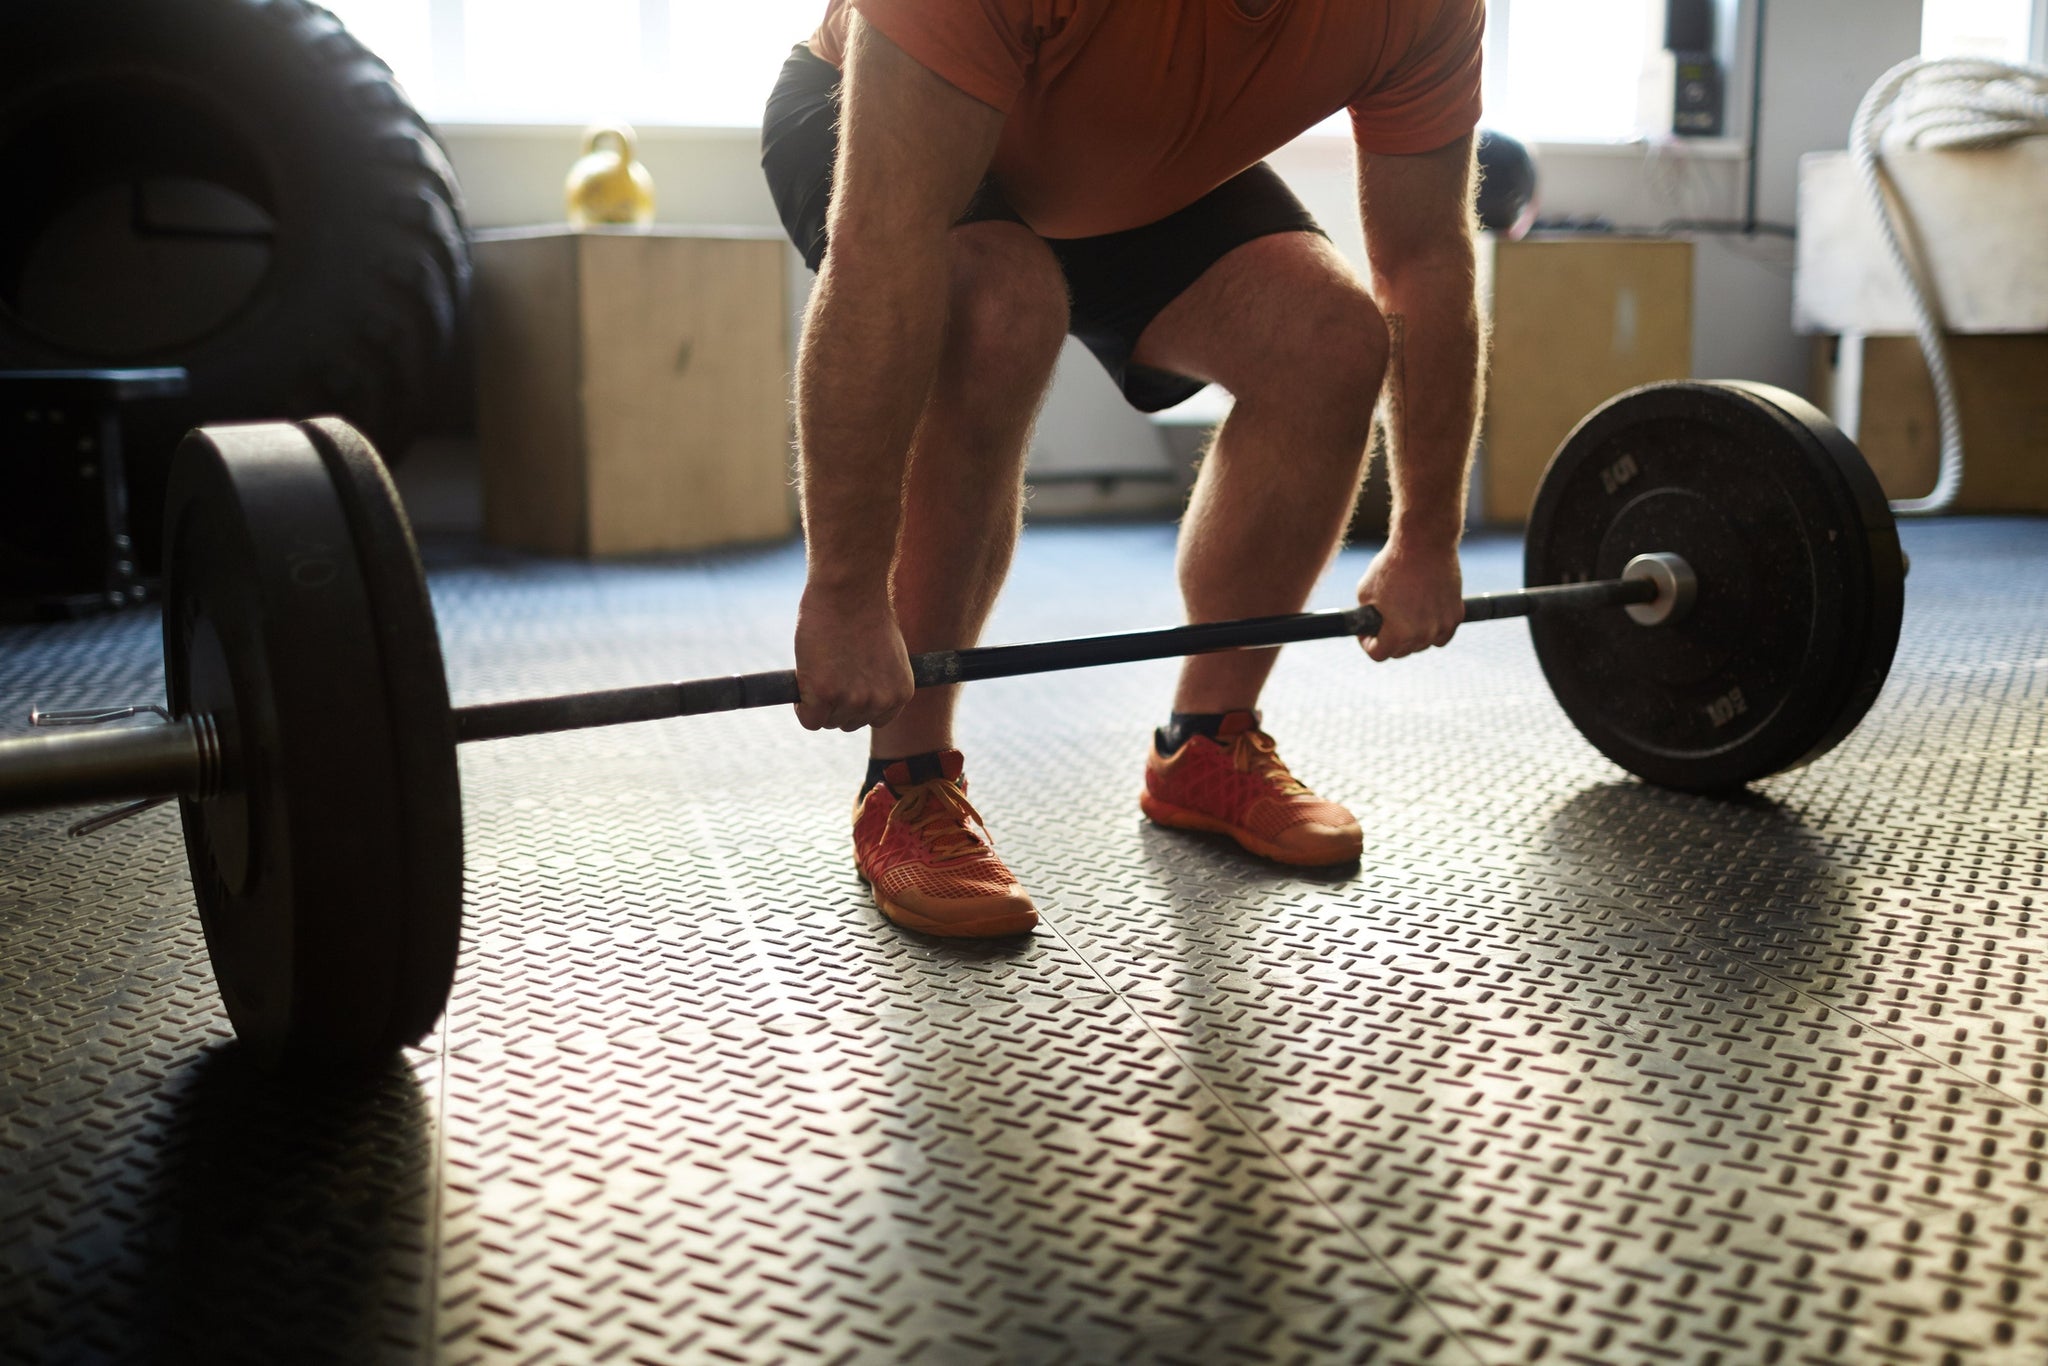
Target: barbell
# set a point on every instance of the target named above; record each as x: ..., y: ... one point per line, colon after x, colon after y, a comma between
x: 1717, y: 586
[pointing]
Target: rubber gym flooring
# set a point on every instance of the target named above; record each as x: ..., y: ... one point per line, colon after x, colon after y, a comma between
x: 1569, y: 1070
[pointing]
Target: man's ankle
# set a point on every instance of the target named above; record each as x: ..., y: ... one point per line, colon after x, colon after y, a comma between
x: 1182, y: 726
x: 923, y: 768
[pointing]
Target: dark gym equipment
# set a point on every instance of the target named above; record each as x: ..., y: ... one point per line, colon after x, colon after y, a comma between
x: 65, y: 547
x: 1507, y: 181
x: 1689, y: 25
x: 313, y: 746
x: 1697, y: 95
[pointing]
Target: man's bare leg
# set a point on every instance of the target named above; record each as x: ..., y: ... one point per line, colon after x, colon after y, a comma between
x: 1287, y: 327
x: 963, y: 494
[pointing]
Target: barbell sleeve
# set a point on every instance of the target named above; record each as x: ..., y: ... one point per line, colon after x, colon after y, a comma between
x: 943, y: 668
x: 121, y: 764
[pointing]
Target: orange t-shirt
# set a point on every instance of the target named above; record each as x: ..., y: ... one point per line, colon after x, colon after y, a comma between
x: 1120, y: 112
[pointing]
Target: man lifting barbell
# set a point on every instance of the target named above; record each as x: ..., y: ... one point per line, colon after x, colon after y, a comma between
x: 1715, y: 587
x: 1715, y: 593
x: 974, y: 181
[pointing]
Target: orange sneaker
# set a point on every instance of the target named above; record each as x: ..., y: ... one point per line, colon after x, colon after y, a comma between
x: 926, y: 856
x: 1236, y: 785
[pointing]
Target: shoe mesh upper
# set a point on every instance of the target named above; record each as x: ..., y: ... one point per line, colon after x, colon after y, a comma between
x: 928, y: 839
x: 1239, y: 778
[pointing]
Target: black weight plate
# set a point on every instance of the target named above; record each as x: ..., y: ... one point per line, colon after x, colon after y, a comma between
x: 1801, y: 582
x: 423, y: 735
x: 308, y: 866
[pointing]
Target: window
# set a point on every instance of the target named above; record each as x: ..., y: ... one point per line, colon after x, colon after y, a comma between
x: 2002, y: 29
x: 1563, y: 70
x: 1569, y: 70
x: 690, y: 62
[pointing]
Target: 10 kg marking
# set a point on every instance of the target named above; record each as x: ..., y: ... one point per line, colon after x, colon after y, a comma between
x: 1726, y: 707
x: 1616, y: 476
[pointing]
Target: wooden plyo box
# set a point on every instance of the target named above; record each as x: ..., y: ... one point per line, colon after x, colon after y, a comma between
x: 633, y: 389
x: 1880, y: 389
x: 1576, y: 320
x: 1976, y: 223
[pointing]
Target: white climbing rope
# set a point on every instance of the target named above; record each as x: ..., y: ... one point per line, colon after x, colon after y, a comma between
x: 1952, y: 104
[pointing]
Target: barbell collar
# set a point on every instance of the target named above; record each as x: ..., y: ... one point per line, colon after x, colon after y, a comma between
x: 174, y: 758
x: 944, y: 668
x: 1677, y: 588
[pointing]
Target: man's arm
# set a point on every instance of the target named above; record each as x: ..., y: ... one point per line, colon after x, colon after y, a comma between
x: 1419, y: 238
x: 913, y: 148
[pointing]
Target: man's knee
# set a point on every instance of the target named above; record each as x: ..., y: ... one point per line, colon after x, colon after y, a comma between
x: 1334, y: 356
x: 1008, y: 310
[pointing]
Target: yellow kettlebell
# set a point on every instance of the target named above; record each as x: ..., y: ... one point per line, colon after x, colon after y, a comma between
x: 606, y: 185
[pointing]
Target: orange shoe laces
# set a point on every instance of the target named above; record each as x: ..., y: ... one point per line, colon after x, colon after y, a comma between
x: 1256, y: 752
x: 940, y: 815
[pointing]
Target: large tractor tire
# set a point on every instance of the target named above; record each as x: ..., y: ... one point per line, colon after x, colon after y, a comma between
x: 238, y: 187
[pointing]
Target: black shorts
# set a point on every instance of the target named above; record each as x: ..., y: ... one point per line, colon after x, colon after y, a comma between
x: 1116, y: 284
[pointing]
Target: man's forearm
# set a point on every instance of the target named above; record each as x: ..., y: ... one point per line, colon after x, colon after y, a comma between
x: 1433, y: 393
x: 870, y: 348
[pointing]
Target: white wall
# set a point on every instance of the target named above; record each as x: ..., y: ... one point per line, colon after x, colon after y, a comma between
x: 1820, y: 56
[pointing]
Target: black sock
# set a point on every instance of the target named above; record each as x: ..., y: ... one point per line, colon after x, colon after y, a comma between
x: 923, y: 768
x: 1181, y: 726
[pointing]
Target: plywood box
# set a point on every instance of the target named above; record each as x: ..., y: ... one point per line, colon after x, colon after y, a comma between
x: 2001, y: 390
x: 1980, y: 221
x: 1576, y: 320
x: 633, y: 389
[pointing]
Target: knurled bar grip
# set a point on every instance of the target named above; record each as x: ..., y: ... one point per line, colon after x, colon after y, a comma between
x: 941, y: 668
x: 38, y: 771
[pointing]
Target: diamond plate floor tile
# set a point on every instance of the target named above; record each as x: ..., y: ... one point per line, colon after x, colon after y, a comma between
x: 1567, y: 1070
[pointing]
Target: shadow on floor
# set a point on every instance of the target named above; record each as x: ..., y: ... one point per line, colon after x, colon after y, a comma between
x: 255, y: 1219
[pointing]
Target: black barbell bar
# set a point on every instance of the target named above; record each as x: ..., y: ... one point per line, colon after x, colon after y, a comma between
x: 181, y: 756
x: 943, y: 668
